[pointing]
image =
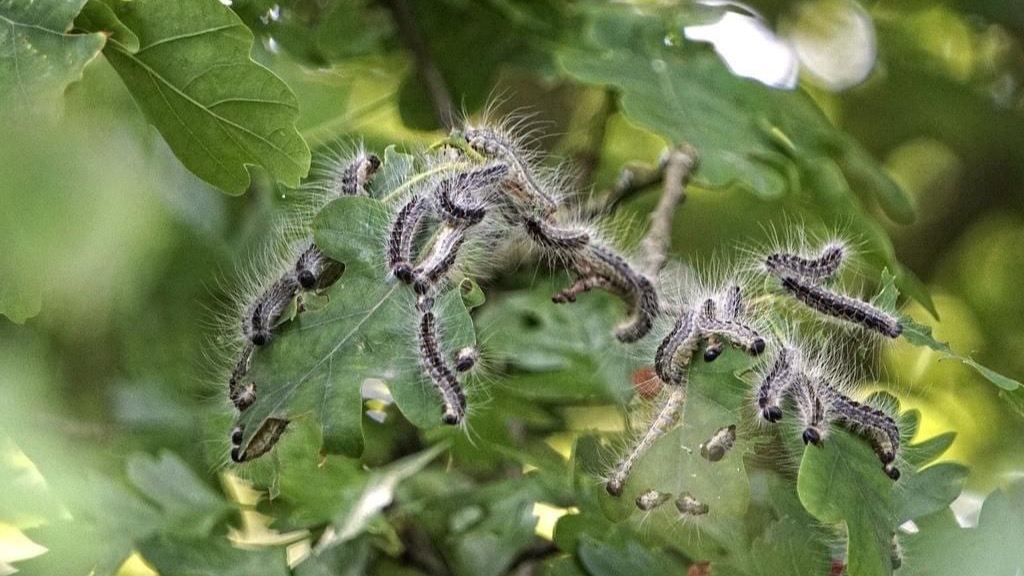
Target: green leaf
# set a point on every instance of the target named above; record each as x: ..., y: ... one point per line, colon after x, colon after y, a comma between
x: 548, y: 347
x: 921, y: 335
x: 762, y: 138
x: 994, y: 548
x: 189, y: 507
x: 842, y: 481
x: 601, y: 559
x: 217, y: 109
x: 176, y: 556
x: 97, y: 15
x: 39, y: 58
x: 363, y: 327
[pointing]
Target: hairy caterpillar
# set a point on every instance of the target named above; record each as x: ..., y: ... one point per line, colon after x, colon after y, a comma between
x: 690, y: 506
x: 452, y: 399
x: 466, y: 358
x: 676, y: 349
x: 267, y: 309
x: 551, y: 237
x: 878, y: 427
x: 315, y: 270
x: 729, y: 329
x: 719, y: 444
x: 664, y: 419
x: 242, y: 396
x: 403, y: 232
x: 359, y: 173
x: 812, y: 270
x: 441, y: 258
x: 775, y: 383
x: 599, y: 267
x: 260, y: 443
x: 469, y: 208
x: 650, y: 499
x: 843, y: 307
x: 495, y: 144
x: 812, y: 407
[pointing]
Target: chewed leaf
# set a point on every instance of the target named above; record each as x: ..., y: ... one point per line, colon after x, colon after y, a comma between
x: 363, y: 328
x: 921, y: 335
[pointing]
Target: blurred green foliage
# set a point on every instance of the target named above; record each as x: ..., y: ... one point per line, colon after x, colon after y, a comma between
x: 115, y: 245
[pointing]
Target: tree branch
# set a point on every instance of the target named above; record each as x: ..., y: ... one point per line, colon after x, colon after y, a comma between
x: 437, y: 90
x: 679, y: 166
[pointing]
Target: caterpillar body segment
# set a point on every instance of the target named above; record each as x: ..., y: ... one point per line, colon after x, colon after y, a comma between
x: 775, y: 383
x: 621, y: 279
x: 522, y: 180
x: 462, y: 199
x: 727, y: 328
x: 813, y: 407
x: 442, y: 257
x: 662, y: 422
x: 876, y: 426
x: 843, y: 307
x: 403, y: 232
x: 674, y: 353
x: 812, y: 270
x: 453, y: 400
x: 551, y: 237
x: 266, y: 310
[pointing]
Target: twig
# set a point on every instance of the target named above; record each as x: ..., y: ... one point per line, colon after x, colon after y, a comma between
x: 437, y: 90
x: 679, y: 166
x: 633, y: 177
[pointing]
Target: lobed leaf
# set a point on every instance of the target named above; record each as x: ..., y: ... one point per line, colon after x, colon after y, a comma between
x: 363, y: 327
x: 40, y: 58
x: 191, y: 74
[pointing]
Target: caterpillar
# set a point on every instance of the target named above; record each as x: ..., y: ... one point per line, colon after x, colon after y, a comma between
x: 650, y: 499
x: 812, y: 270
x: 843, y: 307
x: 775, y: 383
x: 879, y: 428
x: 452, y: 399
x: 812, y: 407
x: 403, y: 232
x: 731, y: 330
x: 664, y: 419
x: 719, y: 444
x: 679, y: 343
x: 494, y: 144
x: 441, y: 258
x: 265, y: 311
x: 358, y: 174
x: 315, y: 270
x: 600, y: 267
x: 471, y: 210
x: 239, y: 395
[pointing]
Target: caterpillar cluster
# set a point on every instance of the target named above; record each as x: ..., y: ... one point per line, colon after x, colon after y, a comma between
x: 813, y: 385
x: 479, y: 191
x: 720, y: 319
x: 790, y: 374
x: 307, y: 269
